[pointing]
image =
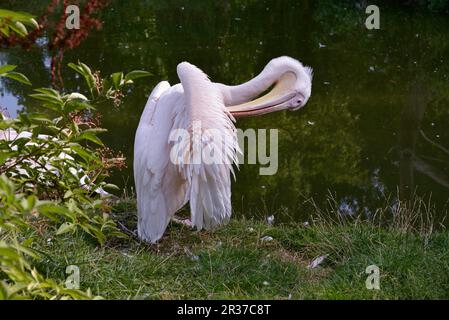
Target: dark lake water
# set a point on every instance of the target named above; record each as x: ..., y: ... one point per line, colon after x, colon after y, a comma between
x: 377, y: 124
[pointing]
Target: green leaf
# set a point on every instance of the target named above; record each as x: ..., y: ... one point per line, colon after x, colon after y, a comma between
x: 6, y: 68
x: 76, y: 105
x: 76, y: 68
x: 82, y: 152
x: 48, y: 91
x: 66, y: 227
x: 88, y: 76
x: 52, y: 210
x: 96, y: 130
x: 111, y: 187
x: 85, y: 68
x: 91, y: 135
x: 15, y: 15
x: 19, y: 28
x: 117, y: 79
x: 40, y: 118
x: 86, y: 72
x: 18, y: 77
x: 107, y: 84
x: 27, y: 242
x: 47, y: 98
x: 136, y: 74
x: 9, y: 253
x: 68, y: 194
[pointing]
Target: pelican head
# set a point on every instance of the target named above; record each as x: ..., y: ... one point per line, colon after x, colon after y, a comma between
x: 291, y: 84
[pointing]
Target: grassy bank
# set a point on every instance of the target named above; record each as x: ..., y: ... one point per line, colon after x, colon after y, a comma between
x: 235, y: 263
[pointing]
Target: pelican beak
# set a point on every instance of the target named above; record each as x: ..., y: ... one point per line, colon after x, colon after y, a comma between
x: 275, y: 100
x: 260, y: 106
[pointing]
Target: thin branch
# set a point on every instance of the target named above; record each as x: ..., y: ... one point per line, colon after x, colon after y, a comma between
x: 439, y: 146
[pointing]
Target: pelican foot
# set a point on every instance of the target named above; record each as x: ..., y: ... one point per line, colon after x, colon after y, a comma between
x: 185, y: 222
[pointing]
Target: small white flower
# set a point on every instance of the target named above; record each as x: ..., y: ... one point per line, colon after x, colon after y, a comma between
x: 270, y: 220
x: 266, y: 283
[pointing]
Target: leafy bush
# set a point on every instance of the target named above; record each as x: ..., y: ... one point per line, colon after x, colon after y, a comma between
x: 18, y: 278
x: 53, y: 167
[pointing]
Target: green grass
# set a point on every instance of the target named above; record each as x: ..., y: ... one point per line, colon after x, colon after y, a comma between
x: 233, y: 263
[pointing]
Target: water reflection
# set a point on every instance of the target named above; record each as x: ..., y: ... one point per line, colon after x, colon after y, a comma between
x: 411, y: 118
x: 360, y: 136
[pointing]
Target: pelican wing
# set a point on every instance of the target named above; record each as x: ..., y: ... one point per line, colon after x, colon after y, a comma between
x: 160, y: 189
x: 212, y: 150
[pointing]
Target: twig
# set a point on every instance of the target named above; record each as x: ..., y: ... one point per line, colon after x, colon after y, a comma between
x: 439, y: 146
x: 126, y: 230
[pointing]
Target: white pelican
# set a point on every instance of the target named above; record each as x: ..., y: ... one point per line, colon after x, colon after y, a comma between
x: 163, y: 185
